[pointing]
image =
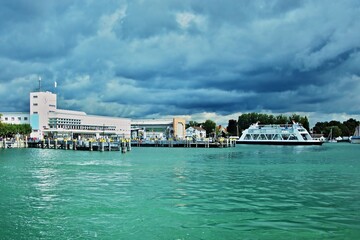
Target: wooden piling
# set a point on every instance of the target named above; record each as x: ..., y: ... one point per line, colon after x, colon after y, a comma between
x: 102, y: 147
x: 123, y: 146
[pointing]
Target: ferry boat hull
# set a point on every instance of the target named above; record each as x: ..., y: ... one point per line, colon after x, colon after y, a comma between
x: 290, y: 143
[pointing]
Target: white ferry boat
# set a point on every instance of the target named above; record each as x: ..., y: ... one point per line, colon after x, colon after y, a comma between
x: 288, y: 134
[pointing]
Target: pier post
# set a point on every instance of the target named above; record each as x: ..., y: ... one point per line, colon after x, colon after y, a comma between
x: 109, y: 144
x: 90, y: 145
x: 55, y: 144
x: 26, y: 142
x: 4, y: 143
x: 129, y: 145
x: 66, y: 145
x: 102, y: 147
x: 74, y: 145
x: 123, y: 146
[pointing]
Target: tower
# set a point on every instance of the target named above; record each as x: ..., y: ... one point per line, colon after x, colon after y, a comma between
x: 41, y: 104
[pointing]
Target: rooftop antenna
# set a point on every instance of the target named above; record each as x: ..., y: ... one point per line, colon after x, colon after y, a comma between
x: 39, y: 84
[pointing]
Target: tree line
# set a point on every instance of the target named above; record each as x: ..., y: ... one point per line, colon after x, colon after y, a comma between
x: 10, y: 130
x: 235, y: 128
x: 336, y: 128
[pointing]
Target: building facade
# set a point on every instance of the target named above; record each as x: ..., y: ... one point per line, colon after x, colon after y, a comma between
x: 158, y: 128
x: 196, y: 132
x: 15, y: 117
x: 48, y: 121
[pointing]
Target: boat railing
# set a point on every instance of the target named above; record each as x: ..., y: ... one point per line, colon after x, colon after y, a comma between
x: 276, y: 125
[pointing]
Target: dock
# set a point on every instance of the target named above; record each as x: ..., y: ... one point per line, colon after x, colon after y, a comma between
x: 223, y: 143
x: 123, y: 145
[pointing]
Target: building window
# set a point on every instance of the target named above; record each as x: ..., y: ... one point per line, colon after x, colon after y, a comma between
x: 35, y: 96
x: 35, y: 104
x: 35, y: 112
x: 19, y: 118
x: 12, y: 119
x: 25, y: 118
x: 6, y: 118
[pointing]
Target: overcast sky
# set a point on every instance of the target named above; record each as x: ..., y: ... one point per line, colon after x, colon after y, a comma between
x: 201, y: 59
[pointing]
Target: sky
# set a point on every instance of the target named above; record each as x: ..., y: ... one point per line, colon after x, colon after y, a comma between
x: 199, y: 59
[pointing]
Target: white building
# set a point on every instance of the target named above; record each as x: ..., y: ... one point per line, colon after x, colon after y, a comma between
x: 196, y: 132
x: 158, y: 128
x: 47, y: 120
x: 15, y: 117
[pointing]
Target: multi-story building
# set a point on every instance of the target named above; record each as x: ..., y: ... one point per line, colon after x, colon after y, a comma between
x: 47, y: 120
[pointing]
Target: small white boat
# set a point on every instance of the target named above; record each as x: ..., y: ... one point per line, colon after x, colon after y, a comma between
x: 356, y: 137
x: 287, y: 134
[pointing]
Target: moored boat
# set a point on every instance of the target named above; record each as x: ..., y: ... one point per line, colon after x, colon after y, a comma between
x: 356, y: 137
x: 274, y: 134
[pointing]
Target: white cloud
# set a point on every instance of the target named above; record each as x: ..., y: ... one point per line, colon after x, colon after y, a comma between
x: 108, y: 22
x: 186, y: 19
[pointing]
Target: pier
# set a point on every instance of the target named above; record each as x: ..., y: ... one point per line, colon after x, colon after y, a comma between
x: 221, y: 143
x: 123, y: 145
x: 75, y: 145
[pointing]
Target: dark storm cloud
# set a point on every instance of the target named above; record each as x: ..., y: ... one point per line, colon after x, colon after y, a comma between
x: 159, y: 58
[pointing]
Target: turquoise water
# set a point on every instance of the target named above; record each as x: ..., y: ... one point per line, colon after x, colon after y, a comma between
x: 246, y: 192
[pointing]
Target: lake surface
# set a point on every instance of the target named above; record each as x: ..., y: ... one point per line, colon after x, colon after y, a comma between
x: 244, y: 192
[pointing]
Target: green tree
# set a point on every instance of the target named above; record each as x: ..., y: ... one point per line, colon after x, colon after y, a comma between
x: 209, y: 126
x: 351, y: 124
x: 281, y: 119
x: 305, y: 123
x: 335, y: 131
x: 232, y: 128
x: 192, y: 124
x: 10, y: 130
